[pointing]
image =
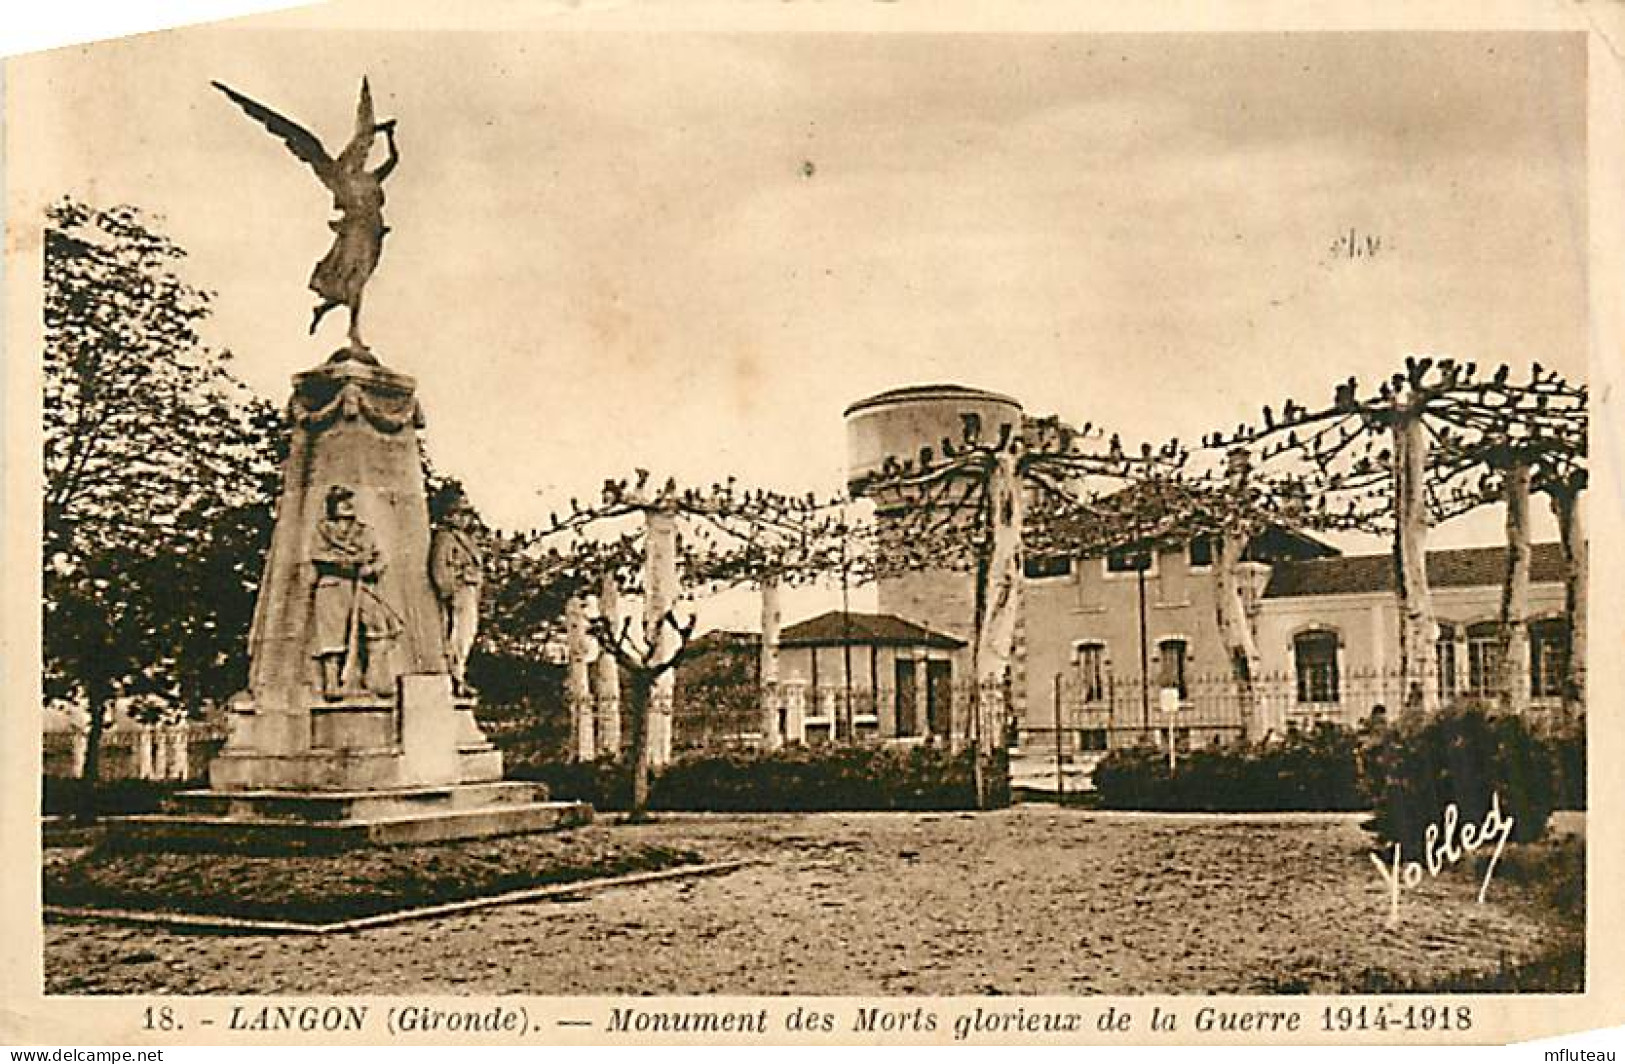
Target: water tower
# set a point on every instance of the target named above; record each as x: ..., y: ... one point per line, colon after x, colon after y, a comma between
x: 898, y: 424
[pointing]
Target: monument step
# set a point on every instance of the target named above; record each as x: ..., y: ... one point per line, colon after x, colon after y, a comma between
x: 235, y: 834
x: 303, y: 806
x: 324, y: 772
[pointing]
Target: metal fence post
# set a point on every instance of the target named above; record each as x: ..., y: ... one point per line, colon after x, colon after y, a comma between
x: 1060, y: 774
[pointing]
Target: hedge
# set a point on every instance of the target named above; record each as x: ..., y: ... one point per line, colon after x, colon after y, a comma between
x: 1568, y: 746
x: 1314, y: 771
x: 795, y: 779
x: 1406, y: 773
x: 1465, y: 757
x: 61, y: 795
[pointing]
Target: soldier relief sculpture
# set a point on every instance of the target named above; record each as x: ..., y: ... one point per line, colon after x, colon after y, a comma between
x: 355, y: 629
x: 456, y: 571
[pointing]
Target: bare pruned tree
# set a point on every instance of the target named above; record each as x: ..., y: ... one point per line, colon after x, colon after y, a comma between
x: 965, y: 506
x: 1433, y: 441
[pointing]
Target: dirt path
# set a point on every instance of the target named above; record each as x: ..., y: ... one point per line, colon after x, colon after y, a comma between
x: 1025, y: 901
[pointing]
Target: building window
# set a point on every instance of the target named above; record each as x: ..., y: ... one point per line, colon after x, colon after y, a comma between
x: 1091, y: 659
x: 1128, y: 561
x: 1315, y: 655
x: 1201, y: 552
x: 1548, y: 657
x: 1446, y: 650
x: 1483, y: 659
x: 1039, y: 566
x: 1240, y: 666
x: 1171, y: 665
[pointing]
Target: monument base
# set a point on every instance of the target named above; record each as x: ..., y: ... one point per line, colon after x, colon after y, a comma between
x: 287, y: 821
x: 423, y: 737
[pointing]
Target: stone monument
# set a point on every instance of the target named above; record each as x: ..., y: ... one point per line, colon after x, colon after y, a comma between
x: 357, y: 725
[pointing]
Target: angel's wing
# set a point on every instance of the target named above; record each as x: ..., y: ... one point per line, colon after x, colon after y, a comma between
x: 364, y: 119
x: 354, y: 155
x: 301, y: 141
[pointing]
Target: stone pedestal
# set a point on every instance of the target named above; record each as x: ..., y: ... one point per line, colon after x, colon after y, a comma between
x: 363, y: 762
x: 287, y: 821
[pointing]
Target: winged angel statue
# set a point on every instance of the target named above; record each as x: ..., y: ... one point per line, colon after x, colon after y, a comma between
x: 358, y: 196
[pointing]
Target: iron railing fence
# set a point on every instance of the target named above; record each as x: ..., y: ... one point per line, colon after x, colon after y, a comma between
x: 179, y: 751
x: 1109, y: 712
x: 1106, y: 711
x: 824, y: 713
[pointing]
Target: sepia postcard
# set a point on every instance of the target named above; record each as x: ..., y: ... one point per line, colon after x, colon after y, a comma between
x: 815, y: 523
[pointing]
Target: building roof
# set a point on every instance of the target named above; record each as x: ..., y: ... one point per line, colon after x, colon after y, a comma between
x: 1278, y: 543
x: 863, y: 629
x: 1273, y: 544
x: 724, y: 639
x: 1365, y: 573
x: 917, y: 393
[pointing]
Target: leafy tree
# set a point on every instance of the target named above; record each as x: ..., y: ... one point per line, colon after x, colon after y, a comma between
x: 159, y: 466
x: 209, y: 591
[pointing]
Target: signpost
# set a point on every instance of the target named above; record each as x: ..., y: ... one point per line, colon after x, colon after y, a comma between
x: 1169, y: 701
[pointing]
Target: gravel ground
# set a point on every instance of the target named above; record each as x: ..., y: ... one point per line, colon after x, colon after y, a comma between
x: 1030, y: 900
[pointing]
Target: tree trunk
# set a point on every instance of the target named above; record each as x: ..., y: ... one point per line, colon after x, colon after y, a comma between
x: 96, y: 695
x: 1566, y: 508
x: 846, y: 716
x: 998, y: 604
x: 1236, y: 629
x: 638, y: 701
x: 659, y: 599
x: 955, y: 741
x: 607, y: 675
x: 1514, y: 634
x: 1418, y: 652
x: 577, y: 691
x: 768, y: 678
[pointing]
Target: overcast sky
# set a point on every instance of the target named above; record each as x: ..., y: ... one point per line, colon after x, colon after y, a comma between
x: 692, y: 252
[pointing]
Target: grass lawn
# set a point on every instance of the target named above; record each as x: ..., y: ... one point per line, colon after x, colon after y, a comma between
x: 323, y: 888
x: 1546, y: 884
